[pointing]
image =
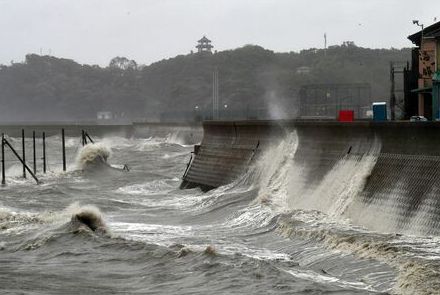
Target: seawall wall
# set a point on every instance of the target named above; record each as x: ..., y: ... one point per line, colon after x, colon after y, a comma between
x: 403, y: 158
x: 186, y: 133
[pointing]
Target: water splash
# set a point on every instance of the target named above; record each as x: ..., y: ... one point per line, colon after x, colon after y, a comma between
x: 337, y: 189
x: 272, y: 172
x: 88, y: 218
x: 93, y: 155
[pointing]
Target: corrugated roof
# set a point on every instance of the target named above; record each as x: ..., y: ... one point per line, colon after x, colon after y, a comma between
x: 433, y: 31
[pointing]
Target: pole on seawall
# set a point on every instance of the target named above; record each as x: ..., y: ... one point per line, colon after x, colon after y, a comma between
x: 44, y: 152
x: 34, y: 152
x: 64, y: 149
x: 23, y: 146
x: 83, y: 137
x: 3, y: 160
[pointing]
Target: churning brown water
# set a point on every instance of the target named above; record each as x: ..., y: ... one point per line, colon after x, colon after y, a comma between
x: 107, y: 231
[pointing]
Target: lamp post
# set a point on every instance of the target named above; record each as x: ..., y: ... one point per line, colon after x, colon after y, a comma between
x: 197, y: 114
x: 225, y: 106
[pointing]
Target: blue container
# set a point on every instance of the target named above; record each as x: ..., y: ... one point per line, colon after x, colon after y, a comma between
x: 379, y: 111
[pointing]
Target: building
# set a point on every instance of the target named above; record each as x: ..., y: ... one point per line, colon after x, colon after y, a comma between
x: 204, y: 45
x: 104, y: 115
x: 427, y: 56
x: 304, y: 70
x: 326, y: 100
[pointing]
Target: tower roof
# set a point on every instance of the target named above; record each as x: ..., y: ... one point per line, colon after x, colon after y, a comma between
x: 204, y: 39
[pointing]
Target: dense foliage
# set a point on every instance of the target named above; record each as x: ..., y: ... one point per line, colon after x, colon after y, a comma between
x: 45, y: 88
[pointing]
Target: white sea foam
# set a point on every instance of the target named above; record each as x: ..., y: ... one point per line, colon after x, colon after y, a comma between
x: 339, y: 187
x: 160, y: 234
x: 92, y: 154
x: 157, y: 186
x: 272, y: 171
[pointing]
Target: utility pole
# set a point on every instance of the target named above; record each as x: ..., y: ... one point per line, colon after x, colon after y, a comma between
x: 421, y: 103
x: 215, y: 98
x: 393, y: 93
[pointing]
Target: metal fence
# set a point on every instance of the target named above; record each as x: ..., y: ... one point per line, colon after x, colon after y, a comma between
x: 326, y: 100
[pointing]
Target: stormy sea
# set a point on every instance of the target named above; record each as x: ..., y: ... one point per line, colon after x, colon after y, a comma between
x: 100, y: 229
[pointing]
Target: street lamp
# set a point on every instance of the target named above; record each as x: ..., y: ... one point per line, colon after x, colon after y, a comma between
x: 417, y: 23
x: 197, y: 115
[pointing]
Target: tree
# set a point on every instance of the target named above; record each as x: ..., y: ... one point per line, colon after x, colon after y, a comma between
x: 122, y: 63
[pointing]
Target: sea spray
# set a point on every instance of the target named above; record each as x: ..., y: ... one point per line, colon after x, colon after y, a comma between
x: 271, y: 172
x: 90, y: 217
x: 353, y: 175
x: 93, y: 155
x: 337, y: 189
x: 12, y: 220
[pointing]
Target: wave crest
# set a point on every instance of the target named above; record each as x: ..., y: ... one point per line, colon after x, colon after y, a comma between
x: 93, y: 155
x: 87, y: 218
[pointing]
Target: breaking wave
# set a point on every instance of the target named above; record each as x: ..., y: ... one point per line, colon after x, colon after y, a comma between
x: 88, y: 218
x: 93, y: 156
x: 321, y: 212
x: 75, y: 215
x: 181, y: 138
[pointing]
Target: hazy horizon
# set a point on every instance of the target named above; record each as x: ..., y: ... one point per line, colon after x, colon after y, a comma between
x: 93, y: 32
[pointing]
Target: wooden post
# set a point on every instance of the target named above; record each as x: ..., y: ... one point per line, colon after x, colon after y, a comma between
x: 44, y: 152
x: 23, y: 145
x: 88, y: 136
x: 83, y: 138
x: 34, y: 152
x: 64, y: 149
x: 3, y: 160
x: 21, y: 160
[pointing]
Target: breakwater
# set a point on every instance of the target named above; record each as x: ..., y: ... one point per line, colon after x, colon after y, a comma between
x: 383, y: 175
x: 185, y: 133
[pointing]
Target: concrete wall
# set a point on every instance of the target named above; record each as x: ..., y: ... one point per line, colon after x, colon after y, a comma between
x: 403, y: 181
x: 184, y: 133
x: 70, y: 130
x: 227, y: 150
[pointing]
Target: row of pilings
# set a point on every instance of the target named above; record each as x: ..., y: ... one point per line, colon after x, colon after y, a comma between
x: 21, y: 157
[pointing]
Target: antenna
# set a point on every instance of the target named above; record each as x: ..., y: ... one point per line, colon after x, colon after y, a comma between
x: 325, y: 43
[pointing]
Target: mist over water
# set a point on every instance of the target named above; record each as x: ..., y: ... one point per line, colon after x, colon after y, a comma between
x: 137, y: 232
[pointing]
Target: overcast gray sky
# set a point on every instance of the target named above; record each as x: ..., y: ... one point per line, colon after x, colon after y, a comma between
x: 94, y: 31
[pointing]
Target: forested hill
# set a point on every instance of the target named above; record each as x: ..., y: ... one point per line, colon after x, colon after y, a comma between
x: 45, y: 88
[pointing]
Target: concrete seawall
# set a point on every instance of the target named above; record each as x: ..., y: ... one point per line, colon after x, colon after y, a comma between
x: 185, y: 133
x: 400, y: 163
